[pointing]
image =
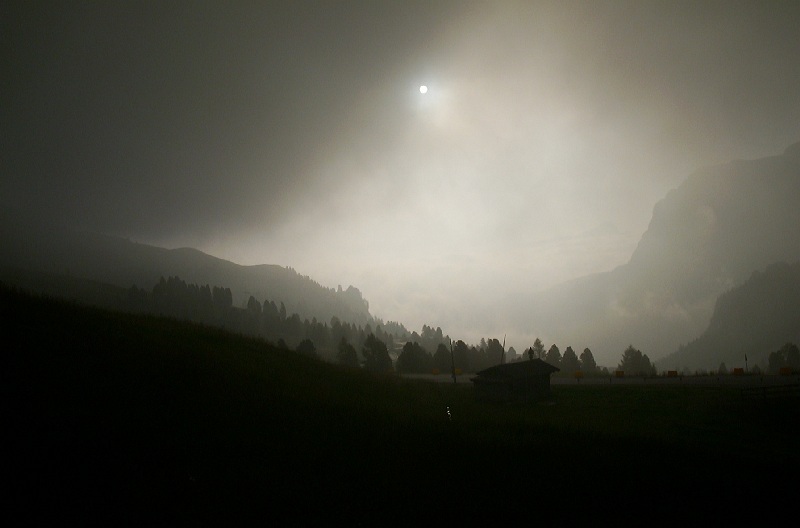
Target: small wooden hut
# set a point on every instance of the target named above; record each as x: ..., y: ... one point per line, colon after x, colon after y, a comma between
x: 519, y: 381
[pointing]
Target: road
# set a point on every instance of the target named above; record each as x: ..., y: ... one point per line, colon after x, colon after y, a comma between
x: 745, y: 381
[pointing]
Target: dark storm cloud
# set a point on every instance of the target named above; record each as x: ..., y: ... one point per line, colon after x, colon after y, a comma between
x: 183, y: 117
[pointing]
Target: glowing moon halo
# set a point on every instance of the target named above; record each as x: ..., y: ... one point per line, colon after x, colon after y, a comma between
x: 423, y: 89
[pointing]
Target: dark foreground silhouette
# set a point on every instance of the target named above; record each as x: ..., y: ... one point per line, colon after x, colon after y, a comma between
x: 126, y: 419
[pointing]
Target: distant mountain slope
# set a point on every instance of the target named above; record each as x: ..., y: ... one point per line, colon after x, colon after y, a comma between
x: 124, y: 263
x: 753, y: 319
x: 706, y: 236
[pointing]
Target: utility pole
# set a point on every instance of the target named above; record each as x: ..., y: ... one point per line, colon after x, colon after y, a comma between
x: 452, y: 362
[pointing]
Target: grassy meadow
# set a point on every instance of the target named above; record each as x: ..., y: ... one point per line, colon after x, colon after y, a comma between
x: 134, y: 419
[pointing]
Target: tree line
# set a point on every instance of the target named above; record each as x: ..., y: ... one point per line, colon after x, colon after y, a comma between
x: 371, y: 346
x: 268, y: 319
x: 377, y: 346
x: 633, y: 361
x: 785, y: 360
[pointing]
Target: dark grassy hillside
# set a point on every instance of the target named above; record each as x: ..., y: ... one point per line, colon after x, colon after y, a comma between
x: 132, y: 419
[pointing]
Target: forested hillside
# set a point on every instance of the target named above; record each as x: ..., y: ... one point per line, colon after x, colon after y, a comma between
x: 116, y: 261
x: 335, y: 341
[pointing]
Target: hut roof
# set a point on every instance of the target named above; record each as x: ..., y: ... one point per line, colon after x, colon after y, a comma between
x: 517, y: 369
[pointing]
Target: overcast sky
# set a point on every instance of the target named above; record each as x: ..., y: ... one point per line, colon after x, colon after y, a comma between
x: 295, y: 133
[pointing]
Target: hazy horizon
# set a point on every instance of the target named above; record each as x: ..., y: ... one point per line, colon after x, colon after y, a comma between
x: 295, y: 133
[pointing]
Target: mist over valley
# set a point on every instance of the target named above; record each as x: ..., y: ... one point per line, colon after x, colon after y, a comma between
x: 706, y: 238
x: 394, y: 263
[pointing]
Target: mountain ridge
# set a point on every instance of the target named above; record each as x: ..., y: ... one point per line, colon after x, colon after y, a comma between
x: 749, y: 321
x: 705, y: 236
x: 124, y: 263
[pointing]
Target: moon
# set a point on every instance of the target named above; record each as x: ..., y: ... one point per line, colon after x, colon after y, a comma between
x: 423, y: 89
